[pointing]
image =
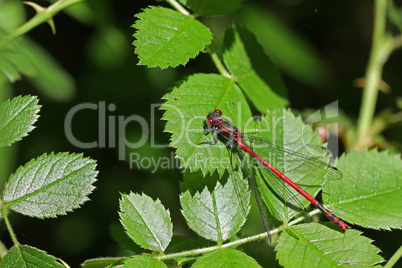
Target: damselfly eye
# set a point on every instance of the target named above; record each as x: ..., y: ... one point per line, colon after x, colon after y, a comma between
x: 219, y: 112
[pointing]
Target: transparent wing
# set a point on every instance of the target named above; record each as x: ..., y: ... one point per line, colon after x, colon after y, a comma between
x: 306, y: 159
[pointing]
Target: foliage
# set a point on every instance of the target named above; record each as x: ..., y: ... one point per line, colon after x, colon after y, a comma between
x: 215, y: 198
x: 48, y: 186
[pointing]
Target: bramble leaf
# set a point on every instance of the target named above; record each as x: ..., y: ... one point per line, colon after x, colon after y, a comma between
x: 369, y: 193
x: 50, y: 185
x: 186, y: 108
x: 165, y: 37
x: 253, y: 70
x: 281, y: 128
x: 17, y: 118
x: 226, y: 258
x: 215, y: 214
x: 315, y: 245
x: 146, y: 221
x: 143, y: 261
x: 26, y: 256
x: 103, y: 262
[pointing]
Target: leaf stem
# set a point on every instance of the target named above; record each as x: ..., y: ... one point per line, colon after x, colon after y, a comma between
x: 178, y: 7
x: 381, y: 49
x: 230, y: 244
x: 218, y: 63
x: 394, y: 258
x: 43, y: 16
x: 10, y: 229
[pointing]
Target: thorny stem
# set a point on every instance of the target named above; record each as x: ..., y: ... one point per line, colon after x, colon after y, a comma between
x: 38, y: 19
x: 218, y: 63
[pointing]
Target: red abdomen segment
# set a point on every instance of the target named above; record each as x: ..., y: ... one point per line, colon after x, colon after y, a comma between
x: 312, y: 200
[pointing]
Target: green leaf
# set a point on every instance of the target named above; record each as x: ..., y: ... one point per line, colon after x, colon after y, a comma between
x: 17, y: 118
x: 186, y: 109
x: 26, y: 256
x: 146, y: 222
x: 370, y: 192
x: 212, y: 7
x: 12, y: 15
x: 225, y: 258
x: 168, y: 38
x: 315, y: 245
x: 14, y: 61
x: 50, y: 185
x: 143, y: 261
x: 50, y: 78
x: 253, y: 70
x: 103, y: 262
x: 285, y: 130
x: 290, y: 51
x: 215, y: 214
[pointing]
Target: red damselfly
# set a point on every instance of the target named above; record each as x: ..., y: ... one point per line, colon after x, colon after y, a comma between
x: 224, y: 128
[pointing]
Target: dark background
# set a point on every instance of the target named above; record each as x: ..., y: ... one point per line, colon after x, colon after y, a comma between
x: 339, y: 31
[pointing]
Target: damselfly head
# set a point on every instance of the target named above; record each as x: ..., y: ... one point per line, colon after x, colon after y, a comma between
x: 214, y: 116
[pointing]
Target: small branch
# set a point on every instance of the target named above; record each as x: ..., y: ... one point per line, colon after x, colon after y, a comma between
x: 394, y: 259
x: 10, y: 230
x: 218, y: 63
x: 178, y: 7
x: 230, y: 244
x: 38, y: 19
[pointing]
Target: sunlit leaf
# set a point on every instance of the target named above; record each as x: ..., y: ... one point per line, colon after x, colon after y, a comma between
x: 103, y: 262
x: 146, y: 221
x: 226, y: 258
x: 143, y: 261
x: 186, y: 108
x: 369, y: 193
x: 17, y: 118
x: 165, y: 37
x: 50, y: 185
x: 282, y: 129
x: 218, y: 214
x: 26, y: 256
x: 315, y: 245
